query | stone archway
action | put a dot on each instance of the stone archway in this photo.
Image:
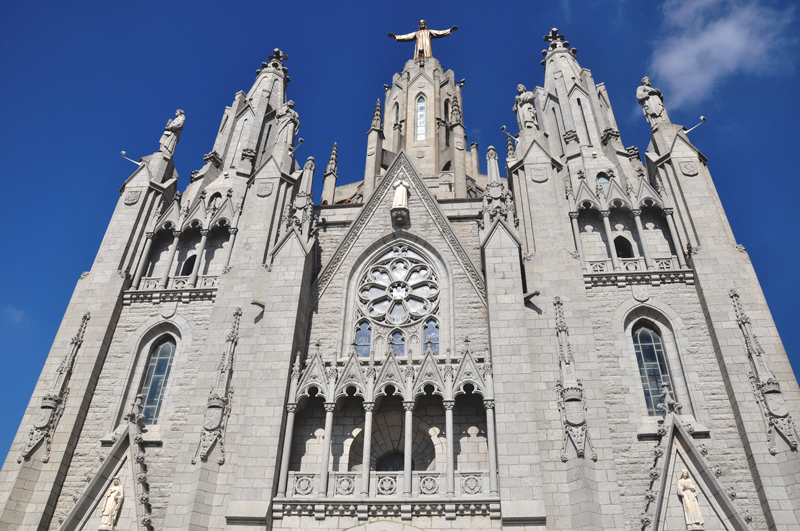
(388, 436)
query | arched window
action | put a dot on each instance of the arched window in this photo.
(215, 201)
(652, 364)
(156, 380)
(623, 247)
(421, 118)
(397, 113)
(188, 266)
(603, 181)
(363, 339)
(398, 343)
(447, 122)
(431, 332)
(392, 461)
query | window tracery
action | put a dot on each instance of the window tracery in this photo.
(398, 299)
(421, 118)
(155, 382)
(652, 365)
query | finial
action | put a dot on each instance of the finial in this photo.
(309, 165)
(332, 160)
(510, 151)
(556, 41)
(376, 116)
(455, 113)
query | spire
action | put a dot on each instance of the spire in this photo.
(557, 44)
(491, 165)
(377, 122)
(332, 160)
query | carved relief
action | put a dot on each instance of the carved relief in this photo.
(218, 406)
(264, 188)
(689, 168)
(132, 197)
(766, 387)
(53, 403)
(571, 400)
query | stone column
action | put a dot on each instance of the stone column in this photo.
(676, 242)
(366, 456)
(171, 256)
(448, 427)
(287, 449)
(322, 486)
(576, 234)
(490, 442)
(612, 250)
(637, 217)
(231, 239)
(200, 250)
(408, 449)
(143, 260)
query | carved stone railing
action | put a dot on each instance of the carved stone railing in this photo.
(177, 290)
(385, 498)
(634, 271)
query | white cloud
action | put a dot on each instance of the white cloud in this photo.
(13, 314)
(705, 41)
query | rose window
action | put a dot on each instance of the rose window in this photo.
(399, 289)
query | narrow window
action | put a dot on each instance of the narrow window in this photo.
(623, 247)
(156, 380)
(399, 343)
(652, 365)
(431, 335)
(603, 181)
(397, 113)
(363, 340)
(585, 124)
(447, 122)
(188, 266)
(421, 118)
(558, 130)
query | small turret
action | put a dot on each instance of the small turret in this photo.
(329, 179)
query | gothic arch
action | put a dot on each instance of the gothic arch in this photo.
(676, 343)
(139, 348)
(429, 447)
(446, 317)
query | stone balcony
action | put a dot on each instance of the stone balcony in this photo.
(634, 271)
(177, 290)
(385, 497)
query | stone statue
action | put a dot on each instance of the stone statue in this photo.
(523, 107)
(423, 38)
(288, 123)
(652, 102)
(111, 504)
(400, 194)
(687, 492)
(172, 133)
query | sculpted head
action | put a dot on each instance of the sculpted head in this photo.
(178, 113)
(646, 81)
(116, 482)
(290, 104)
(521, 88)
(422, 25)
(685, 474)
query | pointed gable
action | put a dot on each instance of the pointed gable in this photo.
(352, 376)
(225, 212)
(170, 218)
(314, 375)
(616, 197)
(196, 215)
(428, 375)
(401, 168)
(585, 195)
(647, 193)
(469, 373)
(391, 374)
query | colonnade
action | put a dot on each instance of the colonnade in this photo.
(320, 489)
(144, 259)
(612, 250)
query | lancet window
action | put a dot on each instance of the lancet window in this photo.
(652, 365)
(155, 382)
(398, 297)
(421, 118)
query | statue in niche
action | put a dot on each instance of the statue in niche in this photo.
(288, 123)
(423, 38)
(652, 101)
(111, 504)
(172, 133)
(523, 108)
(687, 492)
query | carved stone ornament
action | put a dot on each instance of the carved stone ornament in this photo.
(538, 175)
(303, 485)
(471, 484)
(345, 486)
(429, 485)
(264, 189)
(387, 485)
(111, 504)
(640, 293)
(689, 168)
(132, 197)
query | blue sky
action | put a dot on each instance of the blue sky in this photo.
(83, 81)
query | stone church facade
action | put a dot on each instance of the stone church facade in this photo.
(577, 344)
